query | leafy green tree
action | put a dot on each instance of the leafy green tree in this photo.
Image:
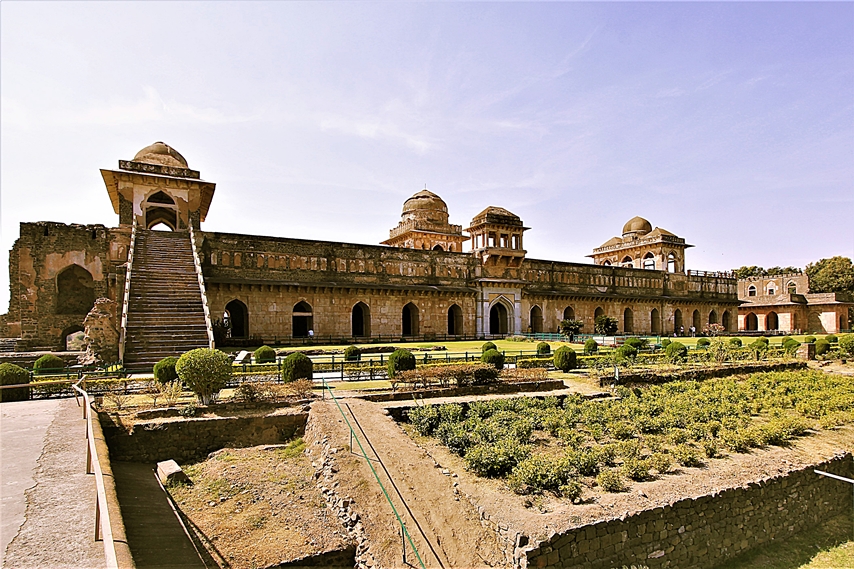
(571, 327)
(205, 372)
(831, 275)
(605, 325)
(751, 271)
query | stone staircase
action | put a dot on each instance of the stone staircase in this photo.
(165, 312)
(8, 344)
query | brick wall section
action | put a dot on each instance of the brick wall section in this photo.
(190, 439)
(703, 532)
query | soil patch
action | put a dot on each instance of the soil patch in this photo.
(258, 507)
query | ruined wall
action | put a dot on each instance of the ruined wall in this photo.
(705, 531)
(56, 272)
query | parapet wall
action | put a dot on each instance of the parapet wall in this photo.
(705, 531)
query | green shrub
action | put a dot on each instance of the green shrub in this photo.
(539, 473)
(495, 459)
(611, 481)
(791, 345)
(626, 353)
(48, 363)
(297, 366)
(676, 351)
(591, 346)
(605, 325)
(205, 372)
(763, 339)
(665, 342)
(265, 355)
(400, 360)
(425, 419)
(735, 342)
(352, 354)
(822, 346)
(703, 342)
(10, 374)
(809, 340)
(687, 455)
(637, 343)
(543, 348)
(488, 346)
(660, 462)
(785, 339)
(164, 370)
(565, 359)
(831, 338)
(493, 358)
(846, 344)
(636, 469)
(533, 363)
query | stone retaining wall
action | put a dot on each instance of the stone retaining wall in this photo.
(655, 376)
(190, 439)
(703, 532)
(516, 387)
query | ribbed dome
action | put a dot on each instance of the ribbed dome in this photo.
(162, 154)
(637, 225)
(499, 215)
(425, 200)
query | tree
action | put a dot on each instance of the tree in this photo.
(571, 328)
(751, 271)
(605, 325)
(831, 275)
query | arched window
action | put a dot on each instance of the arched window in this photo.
(713, 317)
(536, 320)
(677, 322)
(772, 322)
(649, 262)
(410, 320)
(751, 290)
(628, 321)
(598, 312)
(303, 320)
(237, 318)
(160, 197)
(455, 320)
(75, 291)
(499, 319)
(695, 320)
(627, 262)
(793, 288)
(655, 321)
(568, 313)
(751, 322)
(361, 320)
(726, 321)
(671, 263)
(771, 290)
(606, 263)
(438, 248)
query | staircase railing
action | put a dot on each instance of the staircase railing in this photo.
(126, 300)
(198, 263)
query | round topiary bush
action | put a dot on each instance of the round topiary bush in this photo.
(791, 345)
(543, 349)
(400, 360)
(352, 354)
(831, 338)
(758, 346)
(566, 358)
(665, 342)
(636, 343)
(591, 346)
(265, 355)
(846, 344)
(676, 351)
(10, 374)
(735, 342)
(493, 358)
(297, 366)
(762, 339)
(205, 372)
(703, 343)
(48, 363)
(784, 339)
(809, 340)
(488, 346)
(164, 370)
(821, 347)
(625, 353)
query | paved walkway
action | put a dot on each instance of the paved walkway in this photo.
(48, 500)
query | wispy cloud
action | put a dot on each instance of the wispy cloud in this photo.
(376, 129)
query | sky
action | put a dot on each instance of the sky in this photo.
(728, 124)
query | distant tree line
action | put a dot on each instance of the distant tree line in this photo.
(826, 275)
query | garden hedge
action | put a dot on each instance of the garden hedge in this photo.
(265, 355)
(565, 359)
(493, 358)
(400, 360)
(297, 366)
(10, 374)
(48, 363)
(164, 370)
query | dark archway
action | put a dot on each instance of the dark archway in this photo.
(696, 321)
(677, 322)
(649, 262)
(772, 322)
(303, 319)
(75, 291)
(628, 321)
(410, 320)
(238, 319)
(726, 321)
(438, 248)
(71, 339)
(568, 313)
(751, 322)
(455, 320)
(498, 319)
(536, 322)
(655, 321)
(598, 312)
(713, 317)
(361, 320)
(161, 215)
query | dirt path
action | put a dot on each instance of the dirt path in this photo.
(445, 529)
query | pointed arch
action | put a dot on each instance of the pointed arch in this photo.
(501, 317)
(628, 321)
(455, 320)
(360, 320)
(649, 262)
(568, 313)
(751, 321)
(677, 322)
(409, 319)
(713, 317)
(772, 321)
(655, 321)
(726, 321)
(671, 263)
(696, 321)
(751, 290)
(75, 291)
(536, 319)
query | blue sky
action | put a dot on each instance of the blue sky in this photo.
(730, 124)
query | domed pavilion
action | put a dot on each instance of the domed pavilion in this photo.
(642, 247)
(424, 225)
